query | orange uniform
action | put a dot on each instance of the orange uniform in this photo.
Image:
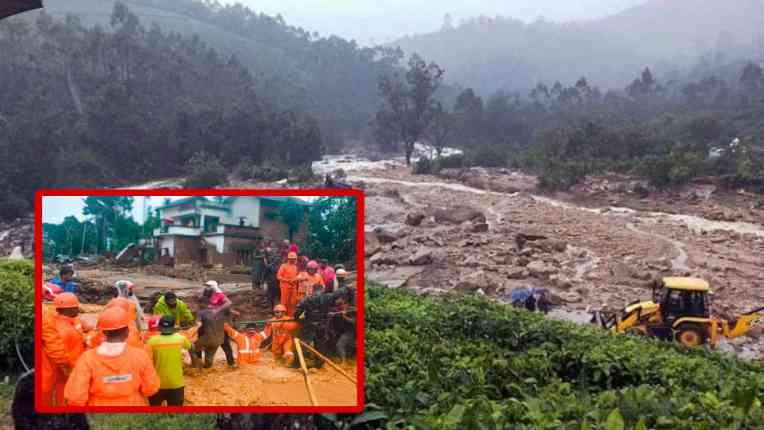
(126, 379)
(133, 337)
(305, 286)
(248, 351)
(287, 276)
(283, 335)
(63, 343)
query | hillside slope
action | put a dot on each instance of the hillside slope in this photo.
(503, 53)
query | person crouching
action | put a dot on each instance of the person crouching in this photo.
(248, 343)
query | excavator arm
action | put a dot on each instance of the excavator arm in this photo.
(744, 323)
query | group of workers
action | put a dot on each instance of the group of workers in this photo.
(127, 360)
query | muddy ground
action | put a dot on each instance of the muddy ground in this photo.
(459, 230)
(265, 383)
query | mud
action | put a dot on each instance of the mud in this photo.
(266, 384)
(611, 252)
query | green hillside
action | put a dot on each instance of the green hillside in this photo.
(466, 363)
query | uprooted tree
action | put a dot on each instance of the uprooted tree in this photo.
(409, 103)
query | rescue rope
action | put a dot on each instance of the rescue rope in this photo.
(18, 352)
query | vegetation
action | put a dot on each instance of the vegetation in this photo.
(409, 106)
(16, 299)
(108, 226)
(501, 53)
(332, 232)
(669, 133)
(86, 106)
(469, 363)
(204, 171)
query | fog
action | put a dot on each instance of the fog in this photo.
(379, 21)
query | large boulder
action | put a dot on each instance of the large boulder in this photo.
(541, 270)
(422, 258)
(371, 244)
(389, 233)
(414, 219)
(478, 227)
(385, 258)
(458, 215)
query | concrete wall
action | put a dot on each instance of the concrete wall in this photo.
(187, 250)
(277, 231)
(245, 206)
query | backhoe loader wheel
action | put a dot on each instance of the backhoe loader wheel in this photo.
(690, 334)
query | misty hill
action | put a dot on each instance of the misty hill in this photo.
(668, 36)
(332, 78)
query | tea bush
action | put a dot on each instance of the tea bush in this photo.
(469, 363)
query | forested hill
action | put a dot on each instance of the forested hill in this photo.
(333, 79)
(504, 53)
(83, 106)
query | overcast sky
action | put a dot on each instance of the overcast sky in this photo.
(385, 20)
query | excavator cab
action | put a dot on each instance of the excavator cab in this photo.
(684, 297)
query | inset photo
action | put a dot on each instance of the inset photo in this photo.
(209, 301)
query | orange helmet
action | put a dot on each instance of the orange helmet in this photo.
(113, 318)
(292, 256)
(50, 291)
(66, 300)
(312, 265)
(279, 308)
(119, 302)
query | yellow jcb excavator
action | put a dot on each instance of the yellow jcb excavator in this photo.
(680, 311)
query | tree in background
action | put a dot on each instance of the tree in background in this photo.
(409, 103)
(293, 215)
(332, 232)
(441, 129)
(108, 212)
(204, 170)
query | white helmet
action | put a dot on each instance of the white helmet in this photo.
(341, 273)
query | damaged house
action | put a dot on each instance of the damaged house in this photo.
(223, 231)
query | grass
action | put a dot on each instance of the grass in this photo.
(119, 421)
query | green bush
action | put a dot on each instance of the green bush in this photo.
(425, 166)
(204, 170)
(302, 174)
(267, 172)
(489, 156)
(16, 298)
(454, 161)
(469, 363)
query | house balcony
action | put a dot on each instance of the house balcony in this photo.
(233, 231)
(177, 230)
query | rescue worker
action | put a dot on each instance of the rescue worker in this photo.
(313, 312)
(220, 307)
(115, 373)
(345, 288)
(167, 355)
(342, 275)
(330, 277)
(282, 334)
(134, 335)
(287, 277)
(343, 326)
(125, 290)
(153, 328)
(169, 304)
(309, 282)
(64, 280)
(248, 343)
(264, 273)
(63, 344)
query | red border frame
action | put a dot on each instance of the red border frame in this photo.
(360, 329)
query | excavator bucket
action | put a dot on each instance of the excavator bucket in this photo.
(13, 7)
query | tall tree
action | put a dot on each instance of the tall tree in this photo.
(108, 211)
(409, 102)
